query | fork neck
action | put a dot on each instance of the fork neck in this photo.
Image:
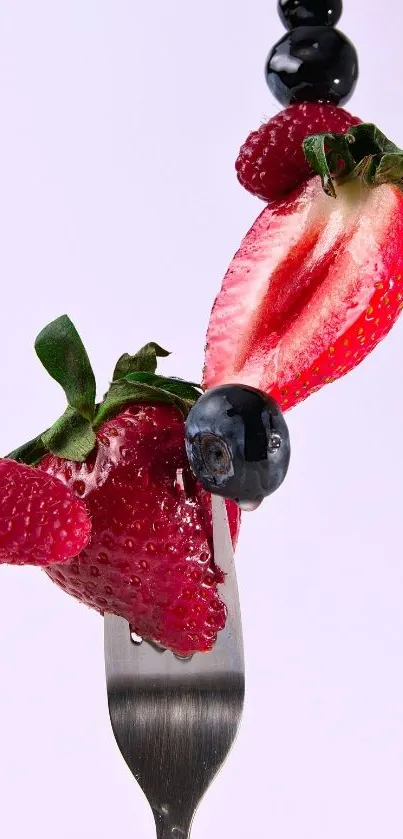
(169, 828)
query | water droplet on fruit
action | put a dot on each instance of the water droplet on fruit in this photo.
(137, 639)
(136, 582)
(143, 564)
(150, 548)
(249, 506)
(129, 544)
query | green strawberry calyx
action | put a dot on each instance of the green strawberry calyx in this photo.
(73, 436)
(362, 153)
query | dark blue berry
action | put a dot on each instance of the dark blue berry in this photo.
(238, 444)
(312, 64)
(309, 12)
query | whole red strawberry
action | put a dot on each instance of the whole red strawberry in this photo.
(318, 280)
(271, 162)
(41, 521)
(150, 555)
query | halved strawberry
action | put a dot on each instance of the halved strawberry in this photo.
(317, 282)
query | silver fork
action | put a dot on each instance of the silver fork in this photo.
(175, 720)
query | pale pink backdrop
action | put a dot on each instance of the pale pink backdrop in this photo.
(120, 123)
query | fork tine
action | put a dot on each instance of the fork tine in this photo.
(176, 720)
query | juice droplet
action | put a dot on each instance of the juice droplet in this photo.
(249, 506)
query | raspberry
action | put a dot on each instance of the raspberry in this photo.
(41, 521)
(271, 162)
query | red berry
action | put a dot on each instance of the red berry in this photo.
(315, 285)
(150, 557)
(40, 519)
(271, 162)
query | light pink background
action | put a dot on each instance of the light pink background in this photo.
(120, 123)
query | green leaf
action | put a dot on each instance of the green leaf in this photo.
(144, 360)
(366, 139)
(62, 353)
(125, 392)
(363, 153)
(185, 390)
(324, 152)
(71, 436)
(389, 170)
(30, 453)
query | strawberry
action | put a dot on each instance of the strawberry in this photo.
(41, 521)
(271, 161)
(317, 281)
(150, 555)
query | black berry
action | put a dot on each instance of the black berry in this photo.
(312, 64)
(309, 12)
(238, 444)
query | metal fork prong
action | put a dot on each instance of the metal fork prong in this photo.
(176, 720)
(224, 555)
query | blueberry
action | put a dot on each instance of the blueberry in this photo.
(238, 444)
(312, 64)
(295, 13)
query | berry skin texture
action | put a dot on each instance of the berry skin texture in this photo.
(41, 521)
(150, 557)
(312, 64)
(238, 444)
(271, 162)
(316, 284)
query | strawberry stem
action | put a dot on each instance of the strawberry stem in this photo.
(362, 153)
